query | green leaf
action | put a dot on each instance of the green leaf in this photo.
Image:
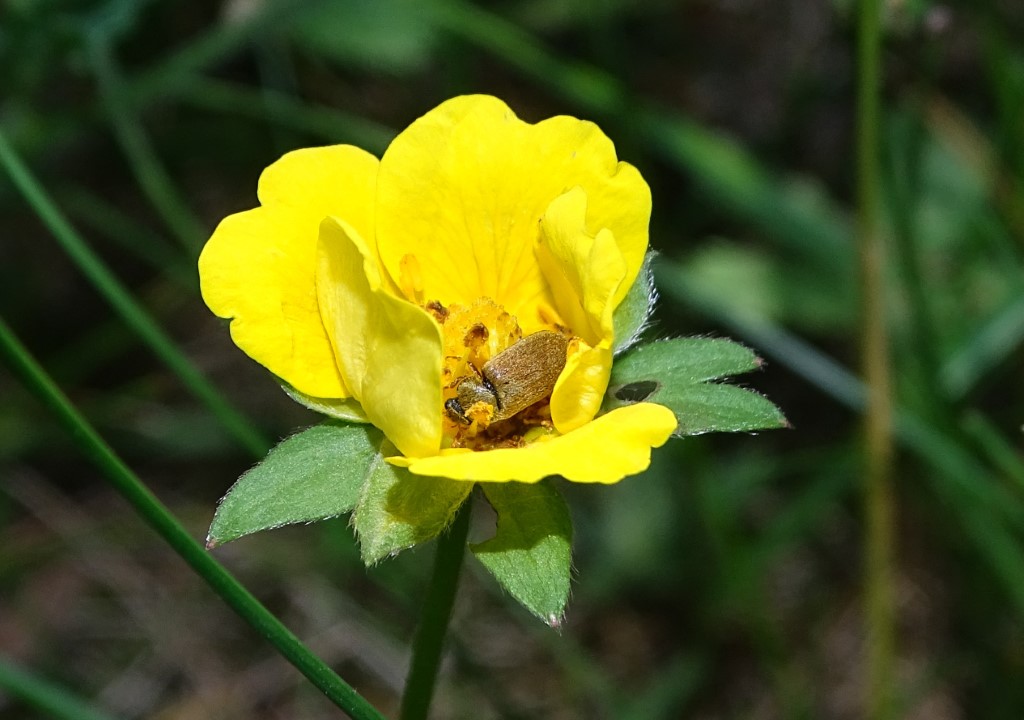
(690, 360)
(709, 407)
(675, 373)
(631, 316)
(530, 554)
(347, 409)
(313, 475)
(397, 509)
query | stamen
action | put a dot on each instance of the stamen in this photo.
(472, 335)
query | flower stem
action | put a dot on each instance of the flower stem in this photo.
(437, 609)
(878, 496)
(164, 523)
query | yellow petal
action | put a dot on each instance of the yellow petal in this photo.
(583, 270)
(604, 451)
(580, 387)
(388, 349)
(584, 273)
(463, 189)
(259, 267)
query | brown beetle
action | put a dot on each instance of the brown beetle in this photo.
(513, 379)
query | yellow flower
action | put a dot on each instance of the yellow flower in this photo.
(379, 286)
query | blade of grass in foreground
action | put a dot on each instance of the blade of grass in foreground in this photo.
(160, 519)
(126, 306)
(45, 696)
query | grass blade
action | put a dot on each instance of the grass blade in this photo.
(160, 519)
(125, 305)
(44, 695)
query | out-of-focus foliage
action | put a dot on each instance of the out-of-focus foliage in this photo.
(723, 583)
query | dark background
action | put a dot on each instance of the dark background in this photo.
(724, 583)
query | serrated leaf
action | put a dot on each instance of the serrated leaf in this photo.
(689, 360)
(397, 509)
(313, 475)
(530, 554)
(631, 316)
(710, 407)
(675, 373)
(347, 409)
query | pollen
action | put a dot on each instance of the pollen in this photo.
(471, 335)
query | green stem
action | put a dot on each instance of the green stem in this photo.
(44, 695)
(437, 609)
(134, 315)
(163, 522)
(878, 497)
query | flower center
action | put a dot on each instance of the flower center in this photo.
(495, 397)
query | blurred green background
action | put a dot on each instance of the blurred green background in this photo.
(727, 581)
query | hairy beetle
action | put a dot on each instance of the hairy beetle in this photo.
(513, 379)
